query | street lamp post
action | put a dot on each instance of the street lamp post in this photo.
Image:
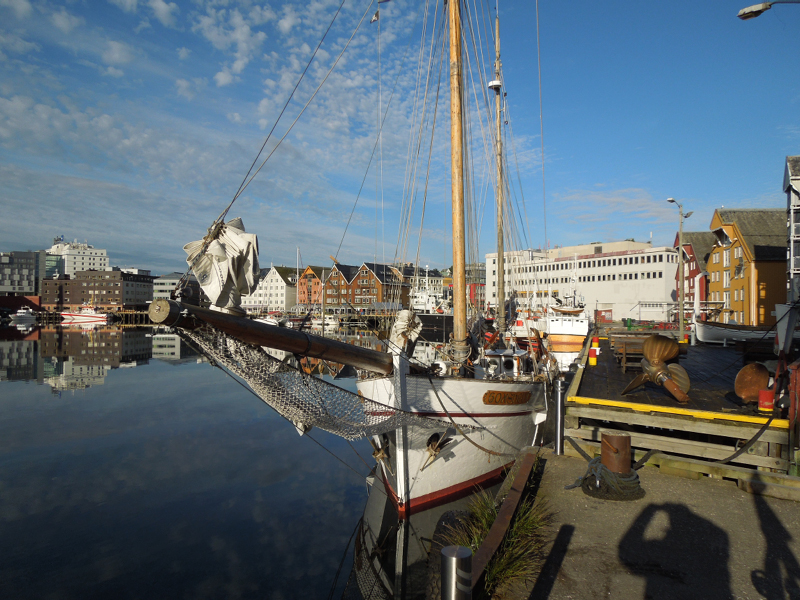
(751, 12)
(680, 263)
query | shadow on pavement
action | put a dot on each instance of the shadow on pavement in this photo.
(770, 581)
(680, 554)
(547, 576)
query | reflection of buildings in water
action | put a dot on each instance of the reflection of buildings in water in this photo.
(67, 374)
(171, 348)
(19, 360)
(80, 357)
(109, 346)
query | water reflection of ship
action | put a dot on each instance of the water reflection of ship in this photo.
(390, 556)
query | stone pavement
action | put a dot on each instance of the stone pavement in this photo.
(685, 539)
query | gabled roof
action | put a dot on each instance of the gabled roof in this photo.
(287, 273)
(386, 274)
(348, 271)
(316, 270)
(763, 229)
(408, 272)
(702, 243)
(791, 177)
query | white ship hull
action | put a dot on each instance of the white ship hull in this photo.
(505, 414)
(68, 318)
(719, 333)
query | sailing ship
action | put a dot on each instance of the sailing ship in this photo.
(439, 430)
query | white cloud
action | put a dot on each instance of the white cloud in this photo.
(261, 14)
(189, 89)
(16, 44)
(183, 53)
(289, 20)
(21, 8)
(143, 24)
(234, 117)
(128, 6)
(65, 21)
(223, 78)
(226, 29)
(164, 12)
(113, 72)
(117, 53)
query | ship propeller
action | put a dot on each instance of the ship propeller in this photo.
(750, 380)
(657, 350)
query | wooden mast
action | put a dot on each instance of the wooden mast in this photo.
(501, 284)
(460, 349)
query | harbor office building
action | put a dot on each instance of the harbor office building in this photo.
(618, 280)
(110, 291)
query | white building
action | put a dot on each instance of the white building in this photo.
(276, 291)
(75, 256)
(630, 279)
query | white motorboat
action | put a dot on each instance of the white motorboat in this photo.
(24, 316)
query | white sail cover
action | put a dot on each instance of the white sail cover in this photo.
(228, 268)
(405, 330)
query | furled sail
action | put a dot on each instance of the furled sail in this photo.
(226, 264)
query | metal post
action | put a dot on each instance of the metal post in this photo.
(456, 573)
(560, 385)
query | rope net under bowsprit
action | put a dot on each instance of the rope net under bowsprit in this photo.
(302, 399)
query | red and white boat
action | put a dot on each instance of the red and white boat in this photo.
(87, 314)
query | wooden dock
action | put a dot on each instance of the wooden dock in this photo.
(692, 438)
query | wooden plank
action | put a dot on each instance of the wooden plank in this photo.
(733, 429)
(504, 517)
(775, 490)
(681, 446)
(675, 410)
(711, 469)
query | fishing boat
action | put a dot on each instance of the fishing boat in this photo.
(439, 430)
(86, 314)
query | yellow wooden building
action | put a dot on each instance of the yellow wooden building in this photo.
(747, 265)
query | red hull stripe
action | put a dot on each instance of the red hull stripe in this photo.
(450, 494)
(472, 414)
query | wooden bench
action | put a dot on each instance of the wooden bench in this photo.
(628, 351)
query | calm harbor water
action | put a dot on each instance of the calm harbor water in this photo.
(124, 475)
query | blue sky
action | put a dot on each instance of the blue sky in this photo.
(130, 123)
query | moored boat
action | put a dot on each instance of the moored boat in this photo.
(87, 314)
(24, 316)
(711, 332)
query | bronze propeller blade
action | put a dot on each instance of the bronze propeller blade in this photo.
(750, 380)
(658, 349)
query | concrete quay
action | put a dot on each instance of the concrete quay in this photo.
(685, 539)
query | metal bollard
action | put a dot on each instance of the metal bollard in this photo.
(456, 573)
(559, 441)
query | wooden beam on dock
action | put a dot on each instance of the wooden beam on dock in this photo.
(505, 515)
(777, 485)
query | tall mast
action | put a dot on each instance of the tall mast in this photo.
(501, 284)
(460, 349)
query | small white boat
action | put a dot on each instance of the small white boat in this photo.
(24, 316)
(711, 332)
(331, 321)
(87, 314)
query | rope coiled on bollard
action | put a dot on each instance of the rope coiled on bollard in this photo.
(600, 482)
